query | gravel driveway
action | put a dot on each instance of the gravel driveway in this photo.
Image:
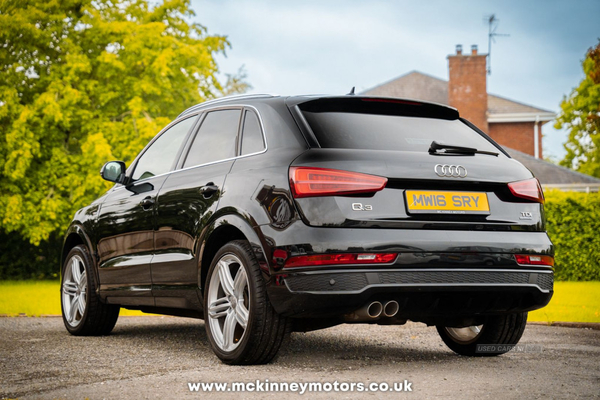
(156, 357)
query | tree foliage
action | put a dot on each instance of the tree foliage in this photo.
(83, 82)
(581, 116)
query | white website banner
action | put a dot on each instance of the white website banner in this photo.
(300, 387)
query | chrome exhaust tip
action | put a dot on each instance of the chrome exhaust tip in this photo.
(375, 309)
(366, 313)
(391, 308)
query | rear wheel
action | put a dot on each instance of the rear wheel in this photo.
(241, 324)
(82, 311)
(496, 336)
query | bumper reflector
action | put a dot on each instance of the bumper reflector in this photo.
(528, 259)
(336, 259)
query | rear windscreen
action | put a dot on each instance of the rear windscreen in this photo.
(343, 130)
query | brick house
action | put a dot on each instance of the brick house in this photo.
(508, 122)
(514, 125)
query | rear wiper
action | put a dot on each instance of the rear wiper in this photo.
(451, 149)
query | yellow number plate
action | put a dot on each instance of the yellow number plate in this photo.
(430, 202)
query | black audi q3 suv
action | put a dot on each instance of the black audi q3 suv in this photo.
(265, 214)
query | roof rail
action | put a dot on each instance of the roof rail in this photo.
(226, 98)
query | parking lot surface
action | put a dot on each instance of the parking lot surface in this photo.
(158, 357)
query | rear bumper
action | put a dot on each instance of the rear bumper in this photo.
(422, 294)
(437, 274)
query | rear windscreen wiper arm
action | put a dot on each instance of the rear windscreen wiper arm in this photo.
(451, 149)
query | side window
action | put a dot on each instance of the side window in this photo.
(160, 157)
(215, 139)
(252, 137)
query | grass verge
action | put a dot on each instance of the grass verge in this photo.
(572, 301)
(35, 298)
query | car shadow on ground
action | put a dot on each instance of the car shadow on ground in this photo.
(402, 346)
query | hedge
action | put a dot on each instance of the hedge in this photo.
(573, 225)
(19, 259)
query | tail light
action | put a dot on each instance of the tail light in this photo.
(336, 259)
(528, 190)
(527, 259)
(313, 182)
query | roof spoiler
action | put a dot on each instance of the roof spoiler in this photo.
(379, 106)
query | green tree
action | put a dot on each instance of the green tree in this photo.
(83, 82)
(581, 116)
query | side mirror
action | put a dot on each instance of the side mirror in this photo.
(114, 171)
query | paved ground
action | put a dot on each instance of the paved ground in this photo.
(156, 357)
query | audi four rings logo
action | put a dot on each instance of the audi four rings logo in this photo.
(450, 171)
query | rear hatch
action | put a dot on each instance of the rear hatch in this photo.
(377, 162)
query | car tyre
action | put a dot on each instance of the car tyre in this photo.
(503, 331)
(82, 311)
(241, 324)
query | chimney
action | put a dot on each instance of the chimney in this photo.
(467, 86)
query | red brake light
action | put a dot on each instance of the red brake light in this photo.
(344, 258)
(526, 259)
(394, 101)
(529, 190)
(311, 182)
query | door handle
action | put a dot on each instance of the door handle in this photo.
(147, 203)
(209, 189)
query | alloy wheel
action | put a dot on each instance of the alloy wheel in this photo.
(228, 302)
(464, 335)
(74, 291)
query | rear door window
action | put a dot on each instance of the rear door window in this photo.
(216, 139)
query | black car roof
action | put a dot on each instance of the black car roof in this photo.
(225, 100)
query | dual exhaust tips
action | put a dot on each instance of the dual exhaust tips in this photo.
(374, 310)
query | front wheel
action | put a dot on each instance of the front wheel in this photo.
(82, 311)
(496, 336)
(241, 324)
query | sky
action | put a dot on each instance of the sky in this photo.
(329, 46)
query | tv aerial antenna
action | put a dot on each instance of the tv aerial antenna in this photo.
(492, 34)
